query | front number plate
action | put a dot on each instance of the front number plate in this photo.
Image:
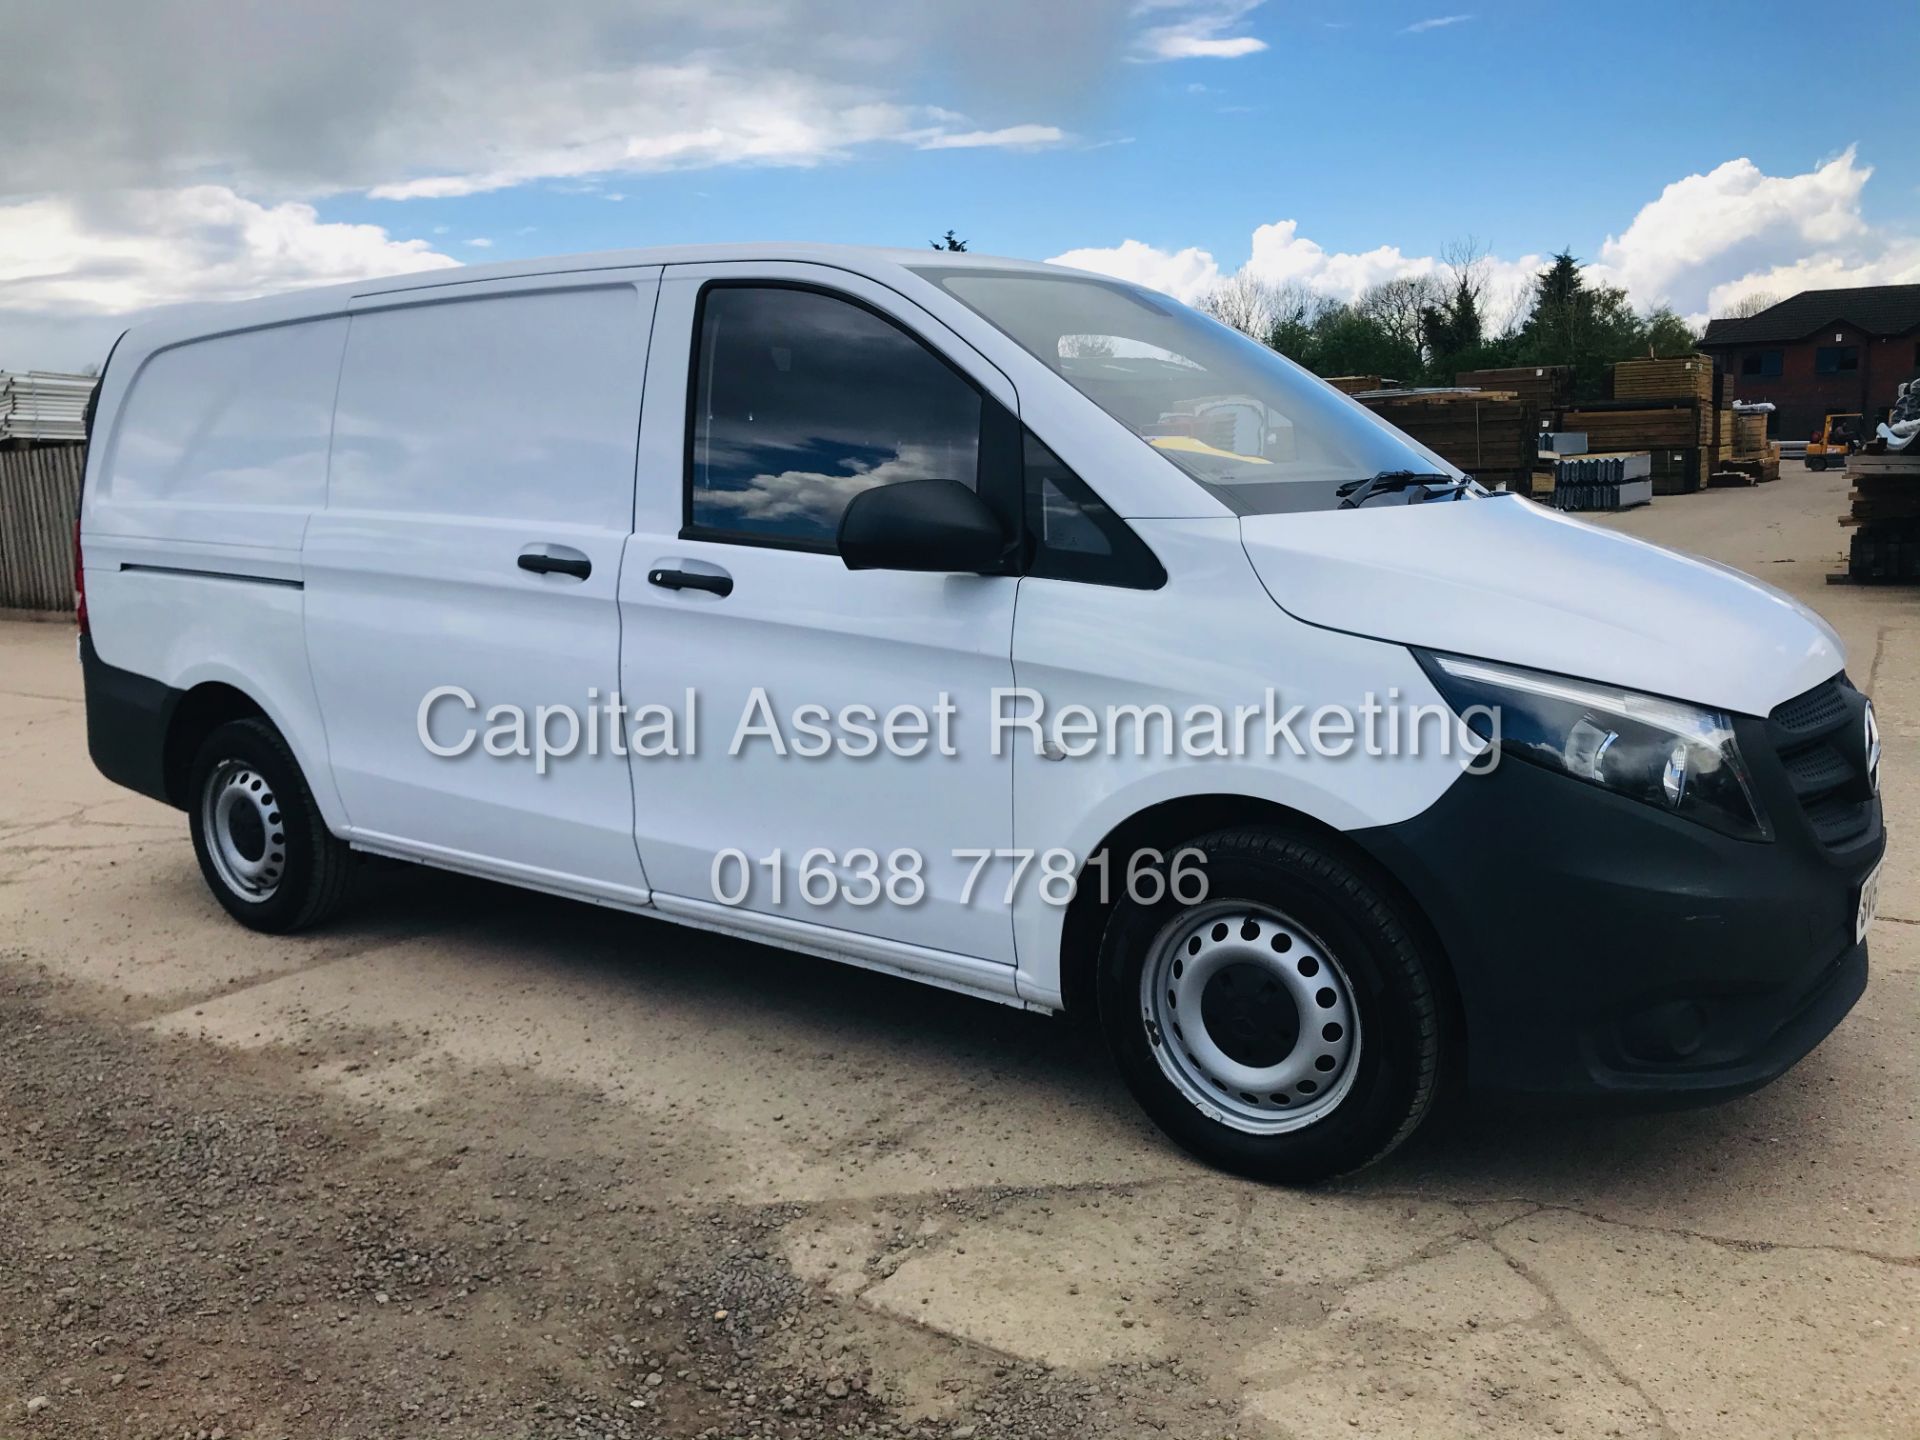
(1869, 902)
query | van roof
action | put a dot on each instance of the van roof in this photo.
(852, 256)
(189, 321)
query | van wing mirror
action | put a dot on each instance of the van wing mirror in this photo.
(936, 525)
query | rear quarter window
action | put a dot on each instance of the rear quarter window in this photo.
(234, 419)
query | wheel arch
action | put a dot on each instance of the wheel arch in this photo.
(201, 711)
(1169, 823)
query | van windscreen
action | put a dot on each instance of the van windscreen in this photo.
(1252, 427)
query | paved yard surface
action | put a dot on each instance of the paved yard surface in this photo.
(472, 1163)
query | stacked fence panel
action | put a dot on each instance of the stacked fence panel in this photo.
(39, 497)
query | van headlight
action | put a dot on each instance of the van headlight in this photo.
(1665, 753)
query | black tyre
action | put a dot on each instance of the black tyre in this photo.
(263, 847)
(1287, 1026)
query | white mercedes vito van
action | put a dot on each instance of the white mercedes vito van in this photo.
(992, 624)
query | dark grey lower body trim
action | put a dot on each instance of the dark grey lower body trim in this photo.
(128, 715)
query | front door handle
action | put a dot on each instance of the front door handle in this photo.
(556, 560)
(691, 580)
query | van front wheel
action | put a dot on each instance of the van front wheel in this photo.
(1286, 1025)
(263, 847)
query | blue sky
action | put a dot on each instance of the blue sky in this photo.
(1529, 126)
(1698, 152)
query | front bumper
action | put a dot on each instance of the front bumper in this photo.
(1607, 953)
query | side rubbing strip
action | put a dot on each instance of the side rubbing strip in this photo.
(213, 575)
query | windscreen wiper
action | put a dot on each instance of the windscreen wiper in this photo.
(1356, 493)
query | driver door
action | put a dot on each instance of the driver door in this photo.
(775, 393)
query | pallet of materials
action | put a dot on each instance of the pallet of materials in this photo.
(1676, 472)
(1746, 457)
(1354, 384)
(1489, 434)
(1725, 445)
(1760, 471)
(1884, 515)
(1614, 425)
(1688, 378)
(1549, 387)
(1750, 435)
(40, 405)
(1603, 482)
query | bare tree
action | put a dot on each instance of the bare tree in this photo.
(1396, 305)
(1086, 347)
(1297, 303)
(1246, 303)
(1752, 304)
(1468, 264)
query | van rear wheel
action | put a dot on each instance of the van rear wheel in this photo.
(263, 847)
(1285, 1026)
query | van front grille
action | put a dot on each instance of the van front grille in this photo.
(1819, 737)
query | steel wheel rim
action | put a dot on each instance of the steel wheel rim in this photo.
(1205, 997)
(246, 838)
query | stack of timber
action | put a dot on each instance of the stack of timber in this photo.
(1666, 408)
(1690, 380)
(1549, 387)
(1761, 470)
(1724, 414)
(1687, 378)
(1884, 515)
(1490, 434)
(1667, 431)
(1751, 458)
(1750, 435)
(1354, 384)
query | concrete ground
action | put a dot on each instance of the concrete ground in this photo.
(471, 1162)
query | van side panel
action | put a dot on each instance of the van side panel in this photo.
(205, 475)
(1251, 648)
(485, 428)
(223, 442)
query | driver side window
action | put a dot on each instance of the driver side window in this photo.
(800, 401)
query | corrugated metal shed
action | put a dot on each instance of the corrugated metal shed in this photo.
(40, 405)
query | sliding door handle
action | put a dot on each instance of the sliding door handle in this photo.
(564, 563)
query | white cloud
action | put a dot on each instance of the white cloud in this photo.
(1198, 35)
(1708, 240)
(1704, 243)
(1184, 274)
(1011, 137)
(1438, 22)
(74, 270)
(691, 116)
(481, 242)
(439, 98)
(1195, 47)
(817, 496)
(1280, 255)
(136, 249)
